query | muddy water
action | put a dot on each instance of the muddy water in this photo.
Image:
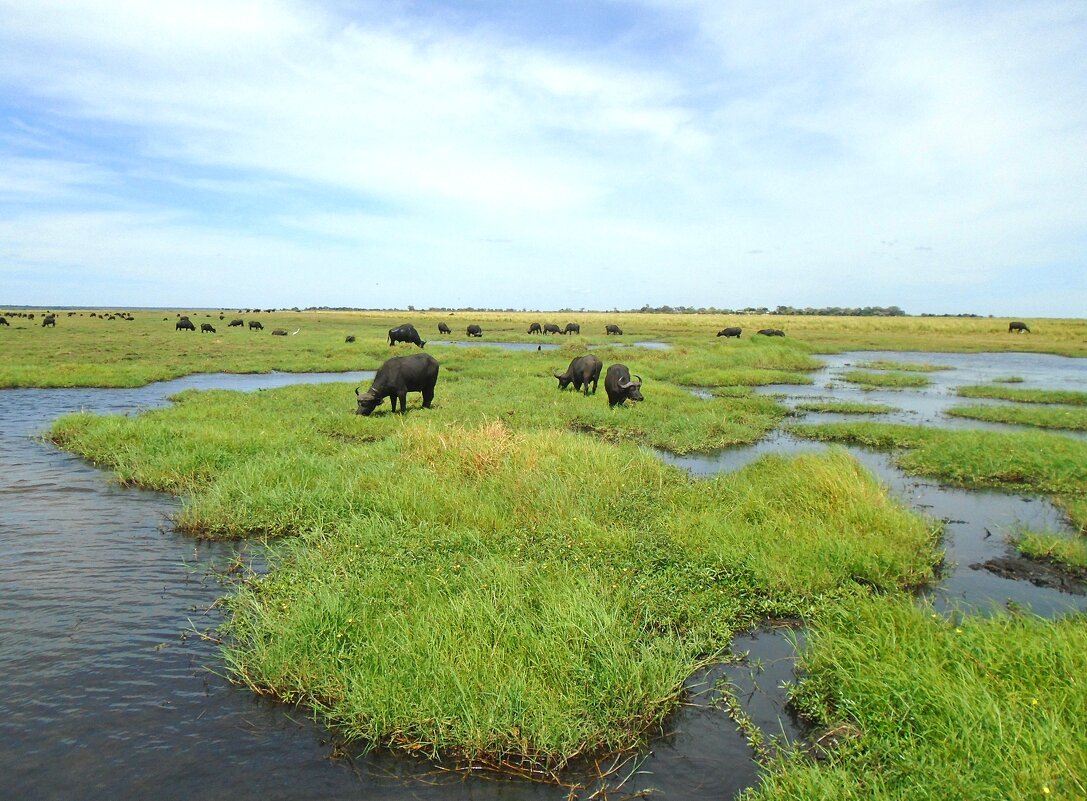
(109, 692)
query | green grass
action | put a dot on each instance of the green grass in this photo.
(868, 379)
(1069, 397)
(481, 580)
(909, 367)
(926, 708)
(1059, 417)
(1068, 551)
(1009, 379)
(845, 407)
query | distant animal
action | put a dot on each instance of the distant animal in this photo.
(49, 320)
(572, 328)
(733, 331)
(237, 322)
(405, 333)
(444, 329)
(613, 329)
(255, 325)
(184, 324)
(551, 328)
(619, 387)
(1017, 326)
(771, 332)
(279, 332)
(534, 328)
(4, 321)
(396, 378)
(349, 338)
(582, 371)
(207, 328)
(474, 331)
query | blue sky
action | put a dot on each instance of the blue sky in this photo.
(931, 155)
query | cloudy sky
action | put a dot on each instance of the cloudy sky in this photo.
(545, 153)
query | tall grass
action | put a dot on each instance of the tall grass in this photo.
(872, 379)
(1067, 396)
(1058, 417)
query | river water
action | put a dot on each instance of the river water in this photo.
(110, 691)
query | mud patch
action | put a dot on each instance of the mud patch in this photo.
(1039, 572)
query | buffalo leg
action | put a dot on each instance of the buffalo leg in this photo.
(428, 396)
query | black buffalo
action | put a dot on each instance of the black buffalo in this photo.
(49, 320)
(613, 329)
(396, 378)
(349, 338)
(572, 328)
(582, 371)
(207, 328)
(279, 332)
(535, 329)
(551, 328)
(444, 329)
(619, 387)
(4, 321)
(405, 333)
(474, 331)
(1017, 326)
(255, 325)
(771, 332)
(237, 322)
(184, 324)
(733, 331)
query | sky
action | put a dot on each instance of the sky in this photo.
(545, 154)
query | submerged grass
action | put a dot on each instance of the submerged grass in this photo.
(845, 407)
(926, 708)
(869, 379)
(1070, 397)
(1059, 417)
(909, 367)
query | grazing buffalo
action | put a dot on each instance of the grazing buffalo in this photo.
(4, 321)
(572, 328)
(279, 332)
(1017, 326)
(184, 324)
(770, 332)
(237, 322)
(733, 331)
(255, 325)
(474, 331)
(551, 328)
(619, 387)
(49, 320)
(405, 333)
(534, 328)
(613, 329)
(207, 328)
(396, 378)
(349, 338)
(582, 371)
(444, 329)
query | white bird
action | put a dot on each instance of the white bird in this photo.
(295, 331)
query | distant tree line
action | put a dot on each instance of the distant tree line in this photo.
(826, 311)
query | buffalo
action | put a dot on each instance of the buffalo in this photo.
(255, 325)
(396, 378)
(551, 328)
(49, 320)
(207, 328)
(474, 331)
(279, 332)
(444, 329)
(4, 321)
(619, 387)
(572, 328)
(582, 371)
(237, 322)
(770, 332)
(349, 338)
(613, 329)
(405, 333)
(535, 329)
(184, 324)
(1017, 326)
(733, 331)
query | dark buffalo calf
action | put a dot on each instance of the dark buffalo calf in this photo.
(613, 329)
(582, 371)
(474, 331)
(444, 329)
(405, 333)
(396, 378)
(730, 332)
(619, 387)
(1017, 327)
(207, 328)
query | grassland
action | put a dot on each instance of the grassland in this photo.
(1068, 418)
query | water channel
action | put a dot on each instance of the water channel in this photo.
(111, 692)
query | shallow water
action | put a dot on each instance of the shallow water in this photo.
(483, 343)
(111, 692)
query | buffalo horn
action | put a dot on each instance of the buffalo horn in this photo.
(356, 390)
(638, 377)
